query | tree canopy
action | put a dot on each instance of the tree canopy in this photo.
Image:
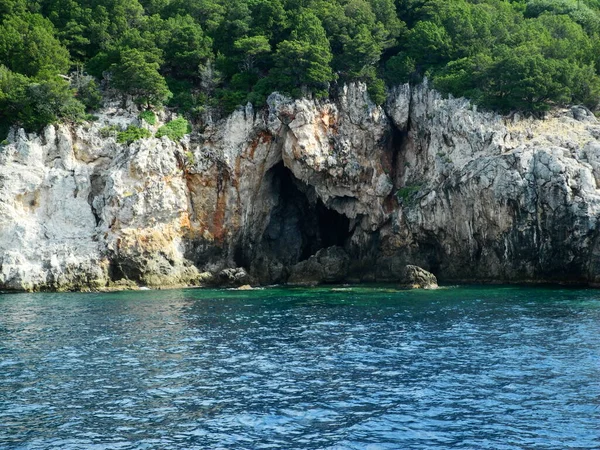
(195, 54)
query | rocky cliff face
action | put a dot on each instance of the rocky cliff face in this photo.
(303, 190)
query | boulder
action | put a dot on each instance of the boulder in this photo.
(234, 277)
(417, 278)
(328, 265)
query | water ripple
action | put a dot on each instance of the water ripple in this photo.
(351, 368)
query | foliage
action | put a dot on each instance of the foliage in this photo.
(407, 195)
(185, 45)
(218, 54)
(109, 131)
(137, 74)
(132, 134)
(190, 158)
(148, 116)
(33, 104)
(302, 63)
(175, 129)
(28, 45)
(88, 92)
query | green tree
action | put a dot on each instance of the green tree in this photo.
(360, 52)
(578, 10)
(304, 60)
(8, 7)
(429, 43)
(208, 13)
(269, 19)
(137, 74)
(28, 46)
(400, 68)
(35, 104)
(185, 46)
(235, 24)
(393, 26)
(524, 79)
(252, 48)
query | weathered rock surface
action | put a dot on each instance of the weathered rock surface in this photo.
(329, 265)
(237, 277)
(306, 191)
(418, 278)
(496, 199)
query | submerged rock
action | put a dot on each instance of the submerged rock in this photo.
(245, 287)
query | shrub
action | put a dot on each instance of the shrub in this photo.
(376, 90)
(132, 134)
(89, 94)
(175, 129)
(191, 159)
(148, 116)
(407, 195)
(111, 130)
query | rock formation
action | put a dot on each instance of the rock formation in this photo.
(305, 191)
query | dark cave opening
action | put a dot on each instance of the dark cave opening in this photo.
(300, 224)
(333, 227)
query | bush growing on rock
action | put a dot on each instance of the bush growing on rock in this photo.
(132, 134)
(109, 131)
(148, 116)
(175, 129)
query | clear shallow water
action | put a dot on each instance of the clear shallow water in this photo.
(351, 368)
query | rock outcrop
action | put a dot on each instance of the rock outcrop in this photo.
(488, 198)
(306, 191)
(417, 278)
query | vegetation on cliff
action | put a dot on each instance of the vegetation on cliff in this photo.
(218, 54)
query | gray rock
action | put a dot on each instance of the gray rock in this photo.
(328, 265)
(582, 114)
(398, 106)
(418, 278)
(233, 277)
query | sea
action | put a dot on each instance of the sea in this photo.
(332, 367)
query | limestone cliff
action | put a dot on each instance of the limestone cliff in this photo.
(344, 190)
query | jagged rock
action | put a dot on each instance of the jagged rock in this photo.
(236, 277)
(418, 278)
(429, 180)
(582, 114)
(329, 265)
(398, 106)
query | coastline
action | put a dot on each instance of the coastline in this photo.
(305, 191)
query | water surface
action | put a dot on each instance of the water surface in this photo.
(326, 368)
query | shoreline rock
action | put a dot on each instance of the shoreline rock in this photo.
(306, 191)
(417, 278)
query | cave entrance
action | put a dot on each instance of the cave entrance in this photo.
(299, 224)
(334, 228)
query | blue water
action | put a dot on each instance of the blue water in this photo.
(346, 368)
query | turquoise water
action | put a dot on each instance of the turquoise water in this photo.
(325, 368)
